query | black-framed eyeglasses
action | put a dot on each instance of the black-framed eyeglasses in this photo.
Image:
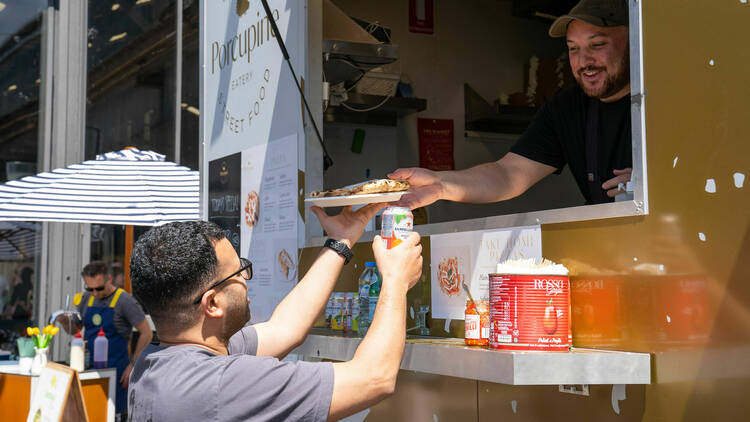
(91, 289)
(246, 272)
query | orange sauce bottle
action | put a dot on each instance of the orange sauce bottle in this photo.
(477, 323)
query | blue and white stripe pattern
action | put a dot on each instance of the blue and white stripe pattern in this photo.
(18, 240)
(124, 187)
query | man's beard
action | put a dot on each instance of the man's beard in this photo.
(612, 84)
(238, 314)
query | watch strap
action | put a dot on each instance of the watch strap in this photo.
(340, 248)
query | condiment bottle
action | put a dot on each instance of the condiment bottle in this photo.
(101, 346)
(77, 352)
(477, 323)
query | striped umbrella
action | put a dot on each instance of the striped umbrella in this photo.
(18, 240)
(128, 187)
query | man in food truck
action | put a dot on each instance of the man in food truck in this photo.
(585, 125)
(210, 365)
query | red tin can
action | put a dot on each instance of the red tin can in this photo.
(530, 312)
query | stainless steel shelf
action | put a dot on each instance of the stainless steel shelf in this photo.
(450, 357)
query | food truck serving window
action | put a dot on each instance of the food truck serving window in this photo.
(458, 85)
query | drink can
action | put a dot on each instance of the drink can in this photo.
(530, 312)
(398, 223)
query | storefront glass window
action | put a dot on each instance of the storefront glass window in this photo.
(190, 81)
(20, 80)
(131, 76)
(130, 92)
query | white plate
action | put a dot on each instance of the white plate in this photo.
(370, 198)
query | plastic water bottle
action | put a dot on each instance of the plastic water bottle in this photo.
(77, 352)
(101, 344)
(369, 290)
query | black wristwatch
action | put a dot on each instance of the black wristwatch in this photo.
(340, 248)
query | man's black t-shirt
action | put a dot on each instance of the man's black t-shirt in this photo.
(557, 136)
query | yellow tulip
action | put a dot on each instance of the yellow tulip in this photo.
(55, 330)
(36, 331)
(29, 331)
(45, 330)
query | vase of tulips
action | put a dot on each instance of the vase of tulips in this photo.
(41, 339)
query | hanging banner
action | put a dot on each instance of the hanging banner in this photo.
(469, 257)
(248, 92)
(421, 16)
(252, 133)
(435, 143)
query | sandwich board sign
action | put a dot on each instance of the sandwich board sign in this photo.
(58, 396)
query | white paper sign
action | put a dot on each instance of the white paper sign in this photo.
(470, 257)
(269, 222)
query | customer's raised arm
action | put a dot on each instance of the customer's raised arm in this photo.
(371, 374)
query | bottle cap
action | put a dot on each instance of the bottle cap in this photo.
(370, 264)
(101, 332)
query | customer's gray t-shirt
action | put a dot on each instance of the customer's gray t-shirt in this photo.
(189, 383)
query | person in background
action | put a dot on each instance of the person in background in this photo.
(21, 297)
(210, 365)
(585, 125)
(4, 292)
(105, 306)
(118, 275)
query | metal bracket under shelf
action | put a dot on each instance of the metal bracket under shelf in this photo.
(579, 390)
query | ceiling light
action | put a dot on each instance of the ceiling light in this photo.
(117, 37)
(115, 6)
(2, 6)
(193, 110)
(13, 87)
(140, 2)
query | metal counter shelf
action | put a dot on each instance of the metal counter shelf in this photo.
(450, 357)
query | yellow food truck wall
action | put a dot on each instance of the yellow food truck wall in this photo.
(674, 283)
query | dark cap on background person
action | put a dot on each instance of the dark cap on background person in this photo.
(603, 13)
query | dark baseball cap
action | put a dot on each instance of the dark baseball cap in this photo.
(603, 13)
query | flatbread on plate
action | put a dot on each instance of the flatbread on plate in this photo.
(372, 186)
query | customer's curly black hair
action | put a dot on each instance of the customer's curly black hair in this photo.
(170, 266)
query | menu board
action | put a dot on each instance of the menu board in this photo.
(269, 222)
(224, 196)
(469, 257)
